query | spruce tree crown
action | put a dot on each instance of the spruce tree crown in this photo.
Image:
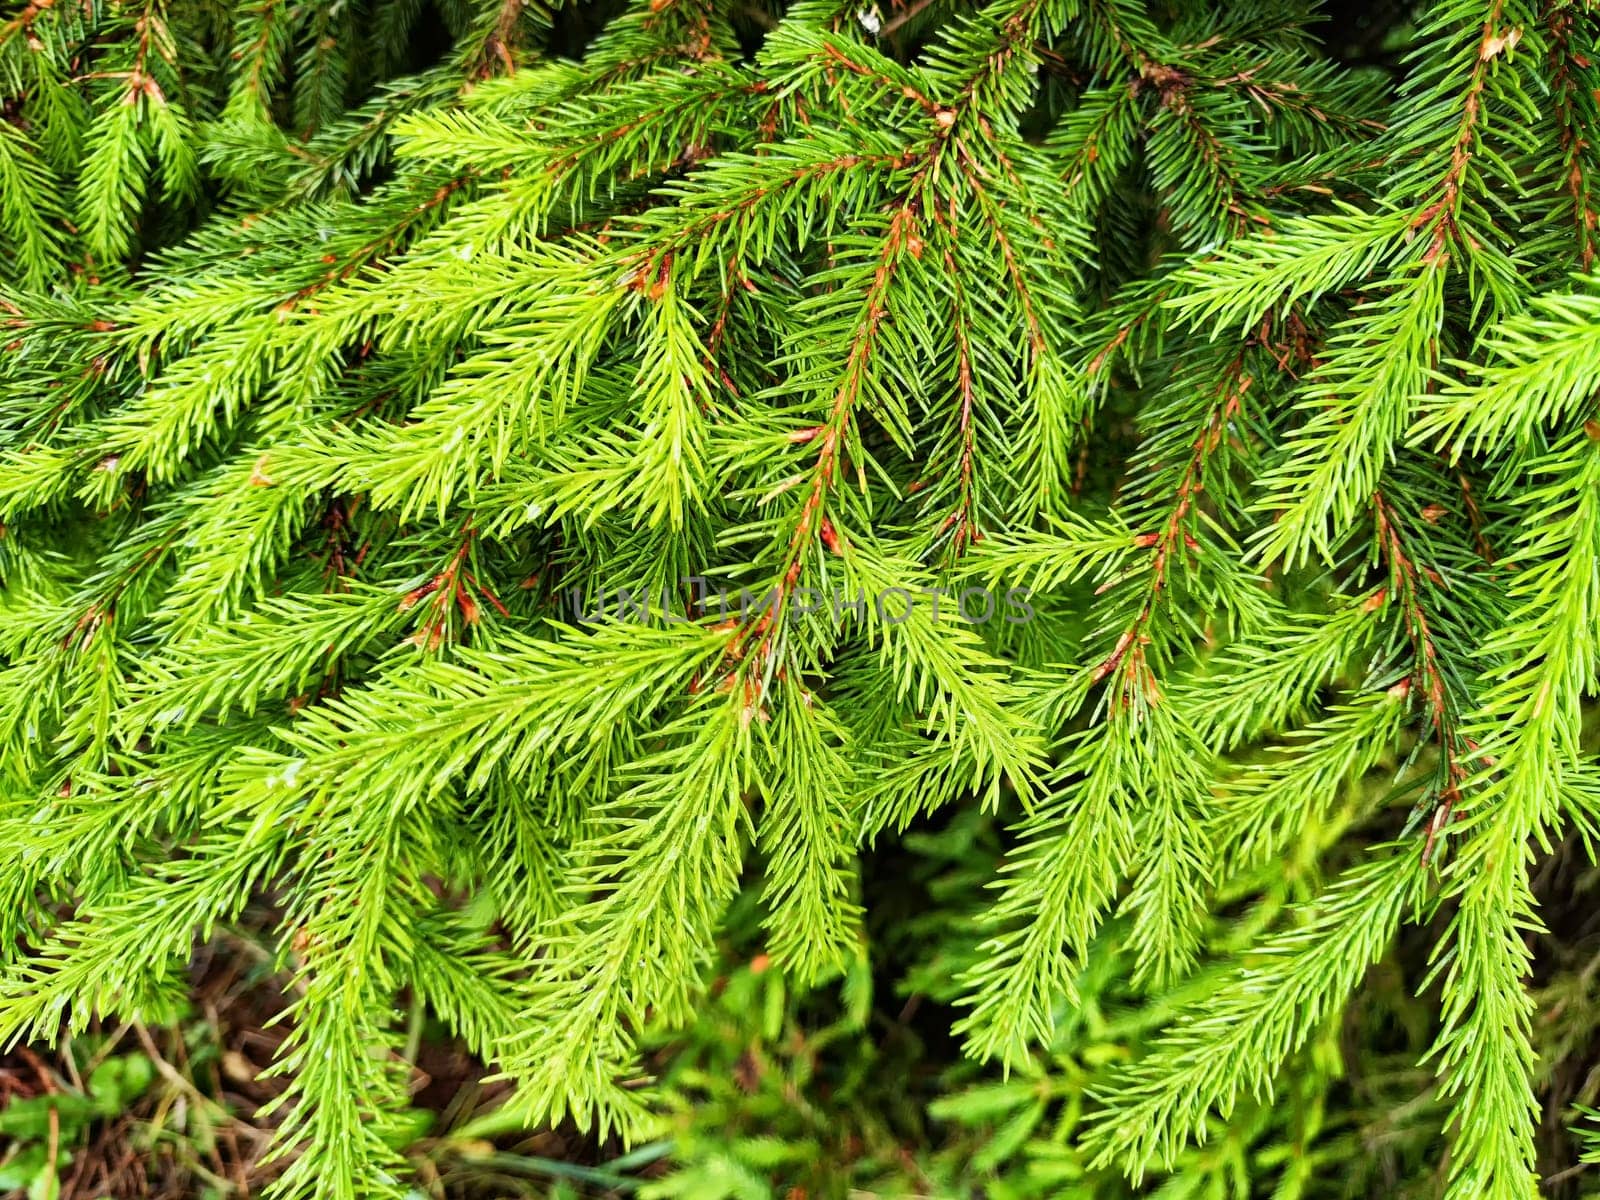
(498, 482)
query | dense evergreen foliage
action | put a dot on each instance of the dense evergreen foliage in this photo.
(482, 479)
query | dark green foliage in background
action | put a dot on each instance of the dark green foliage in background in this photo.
(344, 343)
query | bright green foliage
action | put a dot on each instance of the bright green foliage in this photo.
(347, 344)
